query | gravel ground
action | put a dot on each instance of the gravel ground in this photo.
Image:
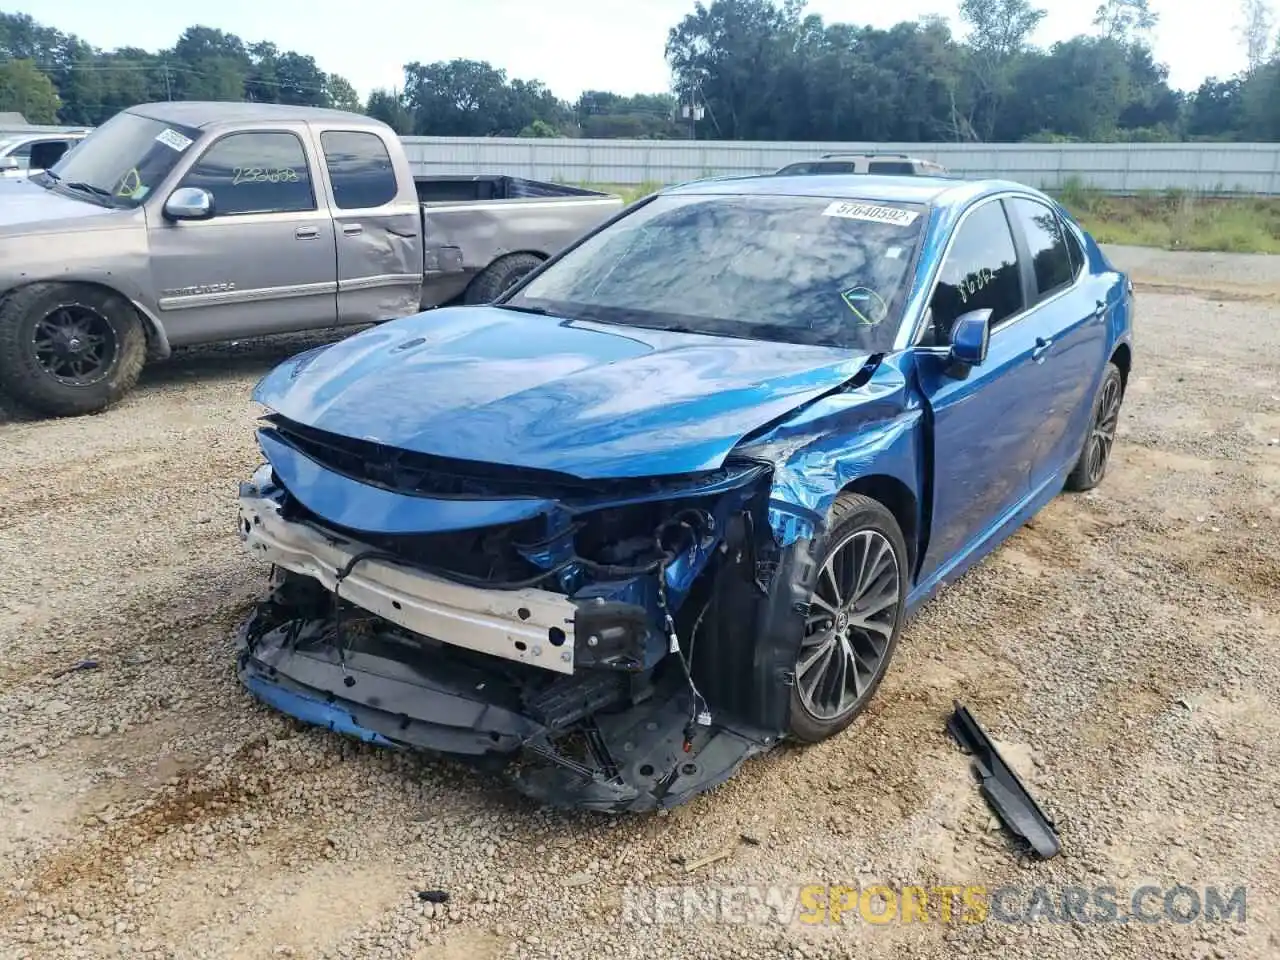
(1124, 647)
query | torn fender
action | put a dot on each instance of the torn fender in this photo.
(875, 429)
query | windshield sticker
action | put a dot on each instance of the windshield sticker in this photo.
(871, 212)
(893, 253)
(173, 139)
(129, 184)
(867, 305)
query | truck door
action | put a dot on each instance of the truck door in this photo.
(264, 263)
(378, 224)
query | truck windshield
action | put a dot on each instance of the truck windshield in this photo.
(124, 159)
(806, 270)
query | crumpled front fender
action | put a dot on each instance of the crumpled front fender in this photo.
(873, 430)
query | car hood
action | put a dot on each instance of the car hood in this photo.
(26, 207)
(594, 401)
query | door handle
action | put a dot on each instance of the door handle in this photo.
(352, 229)
(1100, 311)
(1041, 348)
(307, 233)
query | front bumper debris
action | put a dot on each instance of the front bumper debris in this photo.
(558, 742)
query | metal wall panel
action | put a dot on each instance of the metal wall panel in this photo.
(1220, 168)
(1113, 167)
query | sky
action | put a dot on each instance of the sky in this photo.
(583, 45)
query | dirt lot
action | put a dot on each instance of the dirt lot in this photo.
(1126, 647)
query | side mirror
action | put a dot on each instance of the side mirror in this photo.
(8, 163)
(189, 203)
(970, 336)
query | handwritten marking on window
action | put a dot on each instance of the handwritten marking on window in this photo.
(973, 282)
(264, 175)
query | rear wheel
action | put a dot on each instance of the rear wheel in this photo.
(1092, 465)
(68, 349)
(855, 617)
(499, 277)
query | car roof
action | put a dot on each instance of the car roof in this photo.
(931, 191)
(202, 113)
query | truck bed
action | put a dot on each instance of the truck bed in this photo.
(472, 222)
(463, 189)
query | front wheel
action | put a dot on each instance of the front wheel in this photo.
(854, 619)
(68, 349)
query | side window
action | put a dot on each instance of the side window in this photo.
(254, 173)
(905, 167)
(359, 168)
(980, 272)
(45, 153)
(1049, 254)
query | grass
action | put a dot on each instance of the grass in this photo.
(1171, 220)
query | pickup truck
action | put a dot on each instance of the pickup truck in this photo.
(185, 223)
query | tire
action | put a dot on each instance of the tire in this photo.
(865, 527)
(42, 381)
(1091, 466)
(499, 277)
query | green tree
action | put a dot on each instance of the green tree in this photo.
(389, 107)
(341, 94)
(1125, 20)
(26, 90)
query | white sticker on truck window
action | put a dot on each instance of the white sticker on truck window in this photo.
(869, 211)
(173, 139)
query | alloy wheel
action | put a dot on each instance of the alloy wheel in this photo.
(74, 344)
(852, 617)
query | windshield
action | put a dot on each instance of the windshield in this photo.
(125, 158)
(791, 269)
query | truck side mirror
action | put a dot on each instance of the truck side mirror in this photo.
(970, 337)
(189, 203)
(8, 163)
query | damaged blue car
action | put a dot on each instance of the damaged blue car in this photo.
(669, 500)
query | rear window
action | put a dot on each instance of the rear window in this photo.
(790, 269)
(820, 166)
(360, 169)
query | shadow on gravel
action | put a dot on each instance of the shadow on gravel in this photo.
(236, 359)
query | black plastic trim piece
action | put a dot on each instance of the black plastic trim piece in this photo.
(1005, 793)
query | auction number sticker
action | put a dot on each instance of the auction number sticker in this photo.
(173, 139)
(869, 211)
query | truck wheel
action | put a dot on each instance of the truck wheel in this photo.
(499, 277)
(68, 349)
(1092, 465)
(855, 617)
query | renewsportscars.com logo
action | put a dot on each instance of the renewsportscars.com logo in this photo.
(815, 904)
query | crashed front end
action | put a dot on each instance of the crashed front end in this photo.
(612, 645)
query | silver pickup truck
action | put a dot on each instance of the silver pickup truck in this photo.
(186, 223)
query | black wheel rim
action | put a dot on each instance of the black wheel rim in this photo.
(74, 344)
(852, 617)
(1103, 435)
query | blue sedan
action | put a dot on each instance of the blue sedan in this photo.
(669, 500)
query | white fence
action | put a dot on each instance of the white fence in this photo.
(1218, 168)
